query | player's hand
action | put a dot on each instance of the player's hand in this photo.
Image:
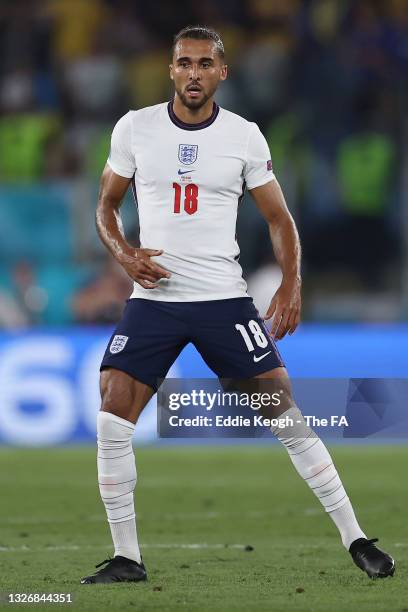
(142, 269)
(285, 309)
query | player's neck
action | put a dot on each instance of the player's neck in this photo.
(187, 115)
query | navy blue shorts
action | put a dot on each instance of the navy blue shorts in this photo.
(229, 334)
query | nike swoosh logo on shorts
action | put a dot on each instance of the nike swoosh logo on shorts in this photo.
(261, 357)
(180, 172)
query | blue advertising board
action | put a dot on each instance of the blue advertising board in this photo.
(49, 379)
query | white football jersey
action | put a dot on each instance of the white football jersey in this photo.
(188, 180)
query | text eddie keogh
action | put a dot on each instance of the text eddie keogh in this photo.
(255, 401)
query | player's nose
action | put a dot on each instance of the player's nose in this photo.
(194, 73)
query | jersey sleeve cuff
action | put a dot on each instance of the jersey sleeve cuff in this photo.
(120, 171)
(260, 182)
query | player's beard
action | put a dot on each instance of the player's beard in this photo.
(192, 103)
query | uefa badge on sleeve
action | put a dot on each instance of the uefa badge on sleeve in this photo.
(118, 344)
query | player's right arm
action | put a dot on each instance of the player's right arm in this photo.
(115, 181)
(136, 262)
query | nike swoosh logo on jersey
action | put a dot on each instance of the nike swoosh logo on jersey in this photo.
(180, 172)
(256, 359)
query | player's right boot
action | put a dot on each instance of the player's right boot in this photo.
(372, 560)
(118, 569)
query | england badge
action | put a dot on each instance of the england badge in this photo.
(118, 344)
(187, 153)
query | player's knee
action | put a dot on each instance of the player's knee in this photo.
(120, 408)
(292, 429)
(116, 396)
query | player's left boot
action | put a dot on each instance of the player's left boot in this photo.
(372, 560)
(118, 569)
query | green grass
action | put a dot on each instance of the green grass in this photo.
(53, 530)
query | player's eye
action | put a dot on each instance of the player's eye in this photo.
(206, 64)
(184, 64)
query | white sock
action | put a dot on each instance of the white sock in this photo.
(346, 522)
(314, 464)
(117, 480)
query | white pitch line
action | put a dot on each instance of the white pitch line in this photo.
(96, 518)
(196, 546)
(106, 546)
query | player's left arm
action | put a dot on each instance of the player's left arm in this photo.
(286, 303)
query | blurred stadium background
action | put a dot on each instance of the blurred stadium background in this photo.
(325, 80)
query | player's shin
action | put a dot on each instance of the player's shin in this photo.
(314, 464)
(117, 479)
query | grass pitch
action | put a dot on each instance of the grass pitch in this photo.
(198, 509)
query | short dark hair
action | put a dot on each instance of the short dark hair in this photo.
(198, 32)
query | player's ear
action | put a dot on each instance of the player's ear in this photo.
(224, 72)
(171, 71)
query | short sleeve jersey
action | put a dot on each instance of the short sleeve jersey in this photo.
(188, 180)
